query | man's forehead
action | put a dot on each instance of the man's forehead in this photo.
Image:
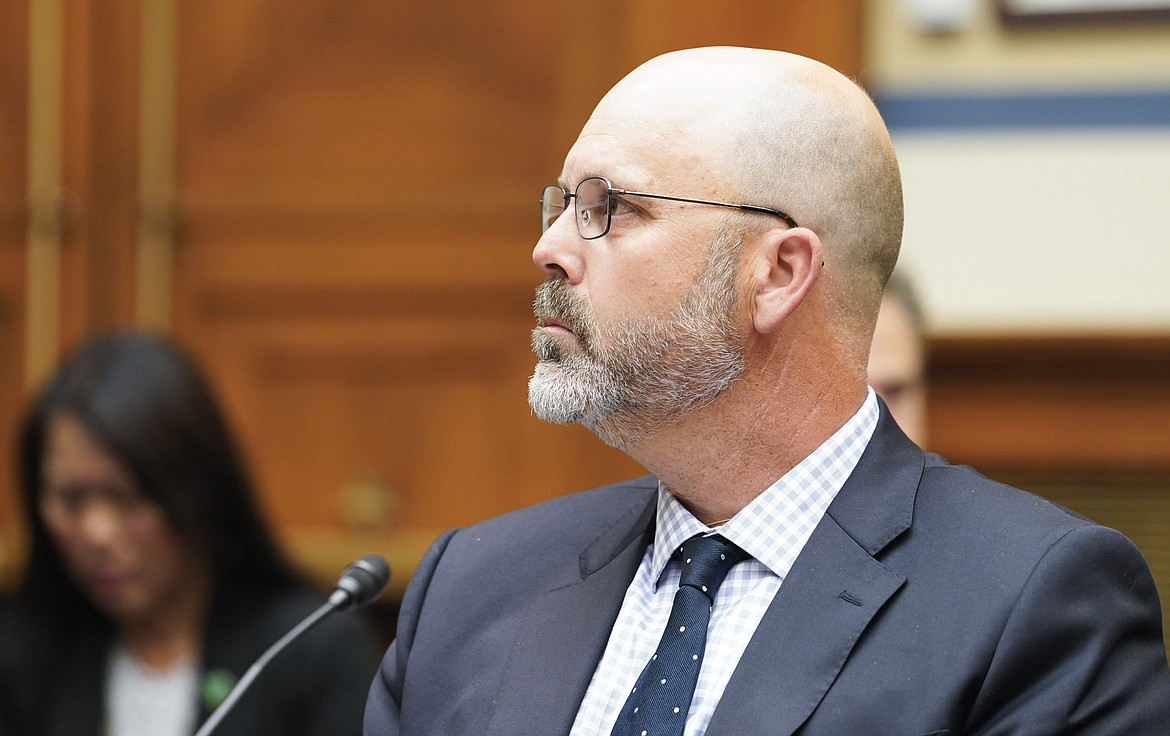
(633, 153)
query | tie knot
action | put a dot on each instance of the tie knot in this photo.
(706, 561)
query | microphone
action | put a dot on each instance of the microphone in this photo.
(361, 582)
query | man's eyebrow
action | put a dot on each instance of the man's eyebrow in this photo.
(563, 180)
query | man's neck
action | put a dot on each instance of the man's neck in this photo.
(719, 459)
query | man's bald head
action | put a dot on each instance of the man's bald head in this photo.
(779, 130)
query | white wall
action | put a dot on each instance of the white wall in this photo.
(1016, 227)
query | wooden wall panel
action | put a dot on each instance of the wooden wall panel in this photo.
(14, 72)
(356, 188)
(99, 155)
(1085, 406)
(13, 120)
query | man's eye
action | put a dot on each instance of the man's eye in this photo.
(619, 206)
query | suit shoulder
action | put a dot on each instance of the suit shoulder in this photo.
(556, 529)
(1003, 512)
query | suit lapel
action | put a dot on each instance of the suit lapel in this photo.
(802, 642)
(562, 636)
(833, 591)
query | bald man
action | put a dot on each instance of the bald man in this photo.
(714, 254)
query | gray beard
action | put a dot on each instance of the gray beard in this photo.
(633, 378)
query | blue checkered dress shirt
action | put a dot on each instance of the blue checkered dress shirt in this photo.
(773, 529)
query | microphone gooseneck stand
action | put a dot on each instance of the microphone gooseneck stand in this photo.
(359, 584)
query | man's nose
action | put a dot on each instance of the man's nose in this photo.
(560, 250)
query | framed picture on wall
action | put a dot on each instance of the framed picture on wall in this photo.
(1043, 12)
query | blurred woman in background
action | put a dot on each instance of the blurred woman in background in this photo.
(152, 583)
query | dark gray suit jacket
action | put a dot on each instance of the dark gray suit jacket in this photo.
(929, 600)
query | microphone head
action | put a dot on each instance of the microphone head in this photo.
(360, 583)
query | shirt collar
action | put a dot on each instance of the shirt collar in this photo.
(774, 527)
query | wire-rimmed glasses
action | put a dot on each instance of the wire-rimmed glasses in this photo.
(593, 202)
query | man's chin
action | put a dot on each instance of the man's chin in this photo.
(558, 398)
(555, 395)
(573, 379)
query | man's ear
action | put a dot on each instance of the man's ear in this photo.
(786, 265)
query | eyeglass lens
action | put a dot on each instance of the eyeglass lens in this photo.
(553, 202)
(591, 206)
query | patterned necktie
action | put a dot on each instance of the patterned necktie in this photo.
(659, 702)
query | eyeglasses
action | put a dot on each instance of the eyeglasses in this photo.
(594, 205)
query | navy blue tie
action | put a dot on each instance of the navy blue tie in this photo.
(658, 704)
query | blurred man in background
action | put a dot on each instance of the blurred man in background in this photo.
(897, 358)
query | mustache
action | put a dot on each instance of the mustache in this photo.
(555, 301)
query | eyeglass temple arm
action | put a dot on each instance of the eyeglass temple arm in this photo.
(749, 207)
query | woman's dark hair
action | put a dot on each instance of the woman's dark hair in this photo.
(146, 403)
